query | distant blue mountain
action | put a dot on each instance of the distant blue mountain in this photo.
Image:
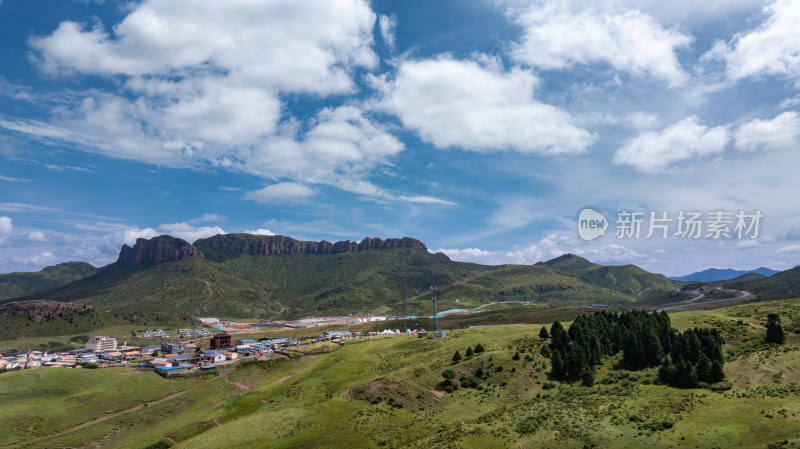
(721, 274)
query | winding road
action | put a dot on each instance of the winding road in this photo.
(692, 302)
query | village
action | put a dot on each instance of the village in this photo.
(178, 357)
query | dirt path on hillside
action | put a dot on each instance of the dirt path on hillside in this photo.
(235, 384)
(99, 419)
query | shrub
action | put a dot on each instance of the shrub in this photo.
(662, 424)
(392, 402)
(469, 381)
(543, 333)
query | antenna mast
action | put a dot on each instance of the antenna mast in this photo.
(434, 288)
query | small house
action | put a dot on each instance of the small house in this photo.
(213, 357)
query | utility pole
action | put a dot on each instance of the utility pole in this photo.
(194, 322)
(405, 304)
(434, 288)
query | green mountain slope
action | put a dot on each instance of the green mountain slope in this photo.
(276, 277)
(626, 279)
(49, 318)
(747, 277)
(173, 286)
(570, 263)
(785, 284)
(14, 285)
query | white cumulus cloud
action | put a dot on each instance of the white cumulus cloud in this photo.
(554, 37)
(260, 231)
(780, 133)
(654, 152)
(282, 192)
(36, 236)
(479, 106)
(772, 48)
(129, 236)
(387, 26)
(5, 225)
(189, 232)
(475, 255)
(203, 84)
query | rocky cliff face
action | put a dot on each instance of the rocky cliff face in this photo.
(279, 244)
(158, 249)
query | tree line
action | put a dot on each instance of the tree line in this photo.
(645, 340)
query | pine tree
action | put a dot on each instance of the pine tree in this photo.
(543, 333)
(704, 369)
(469, 352)
(479, 348)
(775, 333)
(717, 373)
(558, 336)
(667, 371)
(653, 353)
(587, 377)
(685, 374)
(456, 357)
(515, 357)
(633, 353)
(557, 362)
(575, 362)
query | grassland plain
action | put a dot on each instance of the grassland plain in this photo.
(383, 393)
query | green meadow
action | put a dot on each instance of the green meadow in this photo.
(387, 393)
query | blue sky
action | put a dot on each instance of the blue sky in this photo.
(482, 128)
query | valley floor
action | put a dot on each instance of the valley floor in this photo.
(384, 393)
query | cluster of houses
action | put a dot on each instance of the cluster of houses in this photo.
(176, 358)
(101, 351)
(155, 333)
(171, 358)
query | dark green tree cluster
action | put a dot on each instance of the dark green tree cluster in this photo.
(644, 339)
(695, 356)
(775, 333)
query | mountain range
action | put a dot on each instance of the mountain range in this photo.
(242, 275)
(721, 274)
(278, 277)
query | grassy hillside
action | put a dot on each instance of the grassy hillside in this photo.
(386, 393)
(14, 285)
(50, 326)
(785, 284)
(743, 278)
(626, 279)
(232, 284)
(171, 287)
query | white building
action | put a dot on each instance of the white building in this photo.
(99, 344)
